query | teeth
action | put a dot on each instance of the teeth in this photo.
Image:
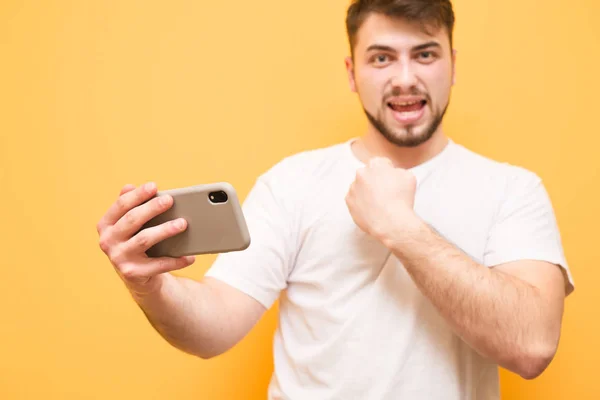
(405, 103)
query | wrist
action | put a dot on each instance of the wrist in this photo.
(141, 292)
(402, 230)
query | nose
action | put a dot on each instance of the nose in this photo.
(404, 79)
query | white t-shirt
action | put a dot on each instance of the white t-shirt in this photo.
(353, 325)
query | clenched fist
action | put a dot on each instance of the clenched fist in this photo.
(381, 197)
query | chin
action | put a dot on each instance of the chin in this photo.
(408, 136)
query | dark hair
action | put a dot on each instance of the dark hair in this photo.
(435, 13)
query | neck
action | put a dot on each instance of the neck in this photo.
(373, 144)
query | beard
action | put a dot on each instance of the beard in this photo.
(408, 136)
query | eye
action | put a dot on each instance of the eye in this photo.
(380, 59)
(427, 56)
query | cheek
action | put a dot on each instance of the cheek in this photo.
(370, 85)
(439, 83)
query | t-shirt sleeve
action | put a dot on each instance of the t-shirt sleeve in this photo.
(262, 269)
(526, 227)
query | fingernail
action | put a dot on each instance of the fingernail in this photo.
(180, 223)
(150, 186)
(164, 200)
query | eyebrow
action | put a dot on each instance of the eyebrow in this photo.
(426, 46)
(391, 49)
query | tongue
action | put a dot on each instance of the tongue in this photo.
(414, 107)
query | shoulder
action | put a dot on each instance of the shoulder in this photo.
(304, 167)
(500, 174)
(308, 160)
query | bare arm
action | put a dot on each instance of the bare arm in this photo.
(204, 318)
(511, 313)
(201, 318)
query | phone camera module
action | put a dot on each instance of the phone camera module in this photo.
(218, 197)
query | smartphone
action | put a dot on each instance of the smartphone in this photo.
(215, 221)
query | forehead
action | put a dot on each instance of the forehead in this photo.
(397, 33)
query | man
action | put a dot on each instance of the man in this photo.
(407, 266)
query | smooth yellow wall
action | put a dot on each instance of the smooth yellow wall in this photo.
(96, 94)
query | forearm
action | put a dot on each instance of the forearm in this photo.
(498, 315)
(183, 312)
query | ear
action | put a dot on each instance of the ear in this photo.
(350, 69)
(454, 66)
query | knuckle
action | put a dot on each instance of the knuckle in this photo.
(129, 219)
(167, 230)
(143, 241)
(115, 255)
(120, 203)
(104, 244)
(128, 271)
(175, 263)
(165, 264)
(118, 254)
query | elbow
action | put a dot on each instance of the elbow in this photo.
(209, 353)
(203, 353)
(534, 368)
(533, 361)
(206, 356)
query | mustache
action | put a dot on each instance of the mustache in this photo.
(396, 92)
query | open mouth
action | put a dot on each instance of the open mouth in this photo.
(408, 111)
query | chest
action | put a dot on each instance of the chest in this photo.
(341, 275)
(331, 248)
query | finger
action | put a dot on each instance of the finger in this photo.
(134, 220)
(102, 224)
(161, 265)
(148, 237)
(154, 266)
(126, 202)
(127, 188)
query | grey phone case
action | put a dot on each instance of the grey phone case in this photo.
(213, 227)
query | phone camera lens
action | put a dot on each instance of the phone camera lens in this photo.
(218, 197)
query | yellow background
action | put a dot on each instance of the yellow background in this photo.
(96, 94)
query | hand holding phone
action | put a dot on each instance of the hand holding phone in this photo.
(143, 232)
